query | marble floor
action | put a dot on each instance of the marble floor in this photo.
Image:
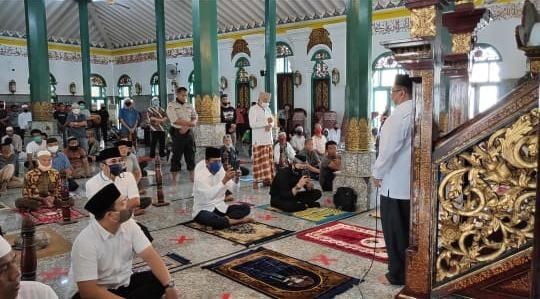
(201, 248)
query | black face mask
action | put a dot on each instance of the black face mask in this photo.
(116, 169)
(25, 110)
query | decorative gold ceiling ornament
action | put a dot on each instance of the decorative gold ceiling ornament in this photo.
(358, 135)
(208, 109)
(423, 21)
(319, 36)
(461, 43)
(487, 197)
(240, 46)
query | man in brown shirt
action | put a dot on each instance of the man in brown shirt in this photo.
(77, 159)
(157, 117)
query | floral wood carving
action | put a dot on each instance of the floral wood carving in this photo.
(487, 197)
(319, 36)
(240, 46)
(207, 108)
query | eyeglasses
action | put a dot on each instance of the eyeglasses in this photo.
(396, 90)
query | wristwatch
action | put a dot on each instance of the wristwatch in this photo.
(170, 284)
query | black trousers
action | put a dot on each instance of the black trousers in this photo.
(218, 220)
(157, 136)
(301, 201)
(143, 285)
(395, 218)
(104, 133)
(183, 145)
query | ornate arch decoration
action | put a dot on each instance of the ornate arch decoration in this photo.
(283, 49)
(319, 36)
(242, 62)
(97, 80)
(124, 80)
(240, 46)
(154, 80)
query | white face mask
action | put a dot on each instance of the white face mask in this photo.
(76, 111)
(52, 149)
(265, 105)
(44, 168)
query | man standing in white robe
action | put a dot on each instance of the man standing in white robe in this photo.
(392, 175)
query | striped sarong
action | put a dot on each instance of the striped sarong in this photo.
(263, 163)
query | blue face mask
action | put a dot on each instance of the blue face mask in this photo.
(116, 169)
(214, 167)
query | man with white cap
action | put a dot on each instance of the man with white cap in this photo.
(11, 286)
(261, 123)
(42, 186)
(157, 117)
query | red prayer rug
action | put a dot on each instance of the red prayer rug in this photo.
(353, 239)
(51, 215)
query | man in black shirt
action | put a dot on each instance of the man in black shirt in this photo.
(104, 124)
(228, 116)
(330, 164)
(61, 115)
(292, 189)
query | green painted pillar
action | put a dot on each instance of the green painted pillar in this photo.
(161, 51)
(85, 50)
(38, 58)
(205, 60)
(358, 87)
(270, 51)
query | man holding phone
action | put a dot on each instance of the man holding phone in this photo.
(292, 189)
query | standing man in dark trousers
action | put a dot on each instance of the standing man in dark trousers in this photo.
(104, 125)
(157, 118)
(183, 118)
(392, 175)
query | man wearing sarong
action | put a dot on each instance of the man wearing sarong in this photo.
(261, 123)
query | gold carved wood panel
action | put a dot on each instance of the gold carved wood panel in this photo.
(285, 90)
(243, 95)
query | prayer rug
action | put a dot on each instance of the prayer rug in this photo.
(173, 262)
(248, 178)
(281, 276)
(3, 206)
(353, 239)
(317, 215)
(57, 244)
(246, 234)
(51, 215)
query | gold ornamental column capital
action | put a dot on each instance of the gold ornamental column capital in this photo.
(358, 135)
(42, 111)
(208, 109)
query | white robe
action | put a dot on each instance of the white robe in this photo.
(393, 164)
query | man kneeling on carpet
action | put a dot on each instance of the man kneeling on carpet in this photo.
(42, 186)
(292, 189)
(102, 254)
(209, 187)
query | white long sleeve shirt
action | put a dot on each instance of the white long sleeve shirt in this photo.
(297, 142)
(24, 119)
(209, 190)
(289, 153)
(393, 164)
(258, 119)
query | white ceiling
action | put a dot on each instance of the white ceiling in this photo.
(114, 26)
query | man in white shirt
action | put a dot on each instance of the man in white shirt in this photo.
(33, 147)
(391, 173)
(319, 140)
(24, 118)
(211, 183)
(298, 139)
(283, 151)
(102, 254)
(334, 134)
(261, 123)
(11, 286)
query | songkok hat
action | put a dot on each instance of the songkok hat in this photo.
(5, 248)
(403, 81)
(43, 153)
(123, 142)
(7, 141)
(103, 200)
(212, 152)
(300, 158)
(108, 153)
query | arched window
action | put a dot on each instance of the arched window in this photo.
(52, 85)
(320, 84)
(154, 85)
(98, 89)
(385, 68)
(485, 78)
(242, 83)
(191, 87)
(283, 51)
(124, 87)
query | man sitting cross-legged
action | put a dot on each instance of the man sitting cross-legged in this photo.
(102, 254)
(211, 183)
(292, 189)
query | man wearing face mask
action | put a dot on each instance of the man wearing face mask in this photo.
(25, 117)
(76, 125)
(102, 254)
(77, 158)
(183, 118)
(33, 147)
(211, 183)
(42, 186)
(283, 151)
(334, 134)
(319, 140)
(84, 110)
(157, 118)
(60, 161)
(261, 123)
(298, 139)
(129, 118)
(292, 189)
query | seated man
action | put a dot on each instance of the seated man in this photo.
(9, 167)
(298, 139)
(330, 164)
(16, 141)
(210, 184)
(102, 254)
(319, 140)
(42, 186)
(60, 161)
(33, 147)
(11, 285)
(291, 190)
(313, 160)
(93, 146)
(229, 155)
(283, 151)
(77, 158)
